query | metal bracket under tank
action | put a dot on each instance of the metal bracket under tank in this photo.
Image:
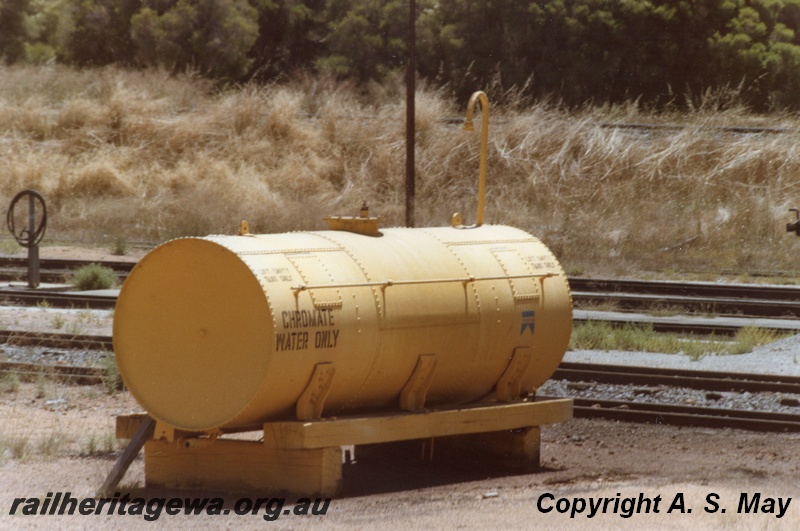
(412, 397)
(509, 386)
(311, 402)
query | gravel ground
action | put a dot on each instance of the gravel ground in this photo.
(775, 402)
(780, 357)
(53, 356)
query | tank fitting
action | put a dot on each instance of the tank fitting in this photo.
(478, 96)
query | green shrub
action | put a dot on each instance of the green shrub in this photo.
(93, 276)
(120, 247)
(113, 380)
(749, 338)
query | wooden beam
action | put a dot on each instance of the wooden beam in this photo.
(243, 466)
(143, 432)
(402, 427)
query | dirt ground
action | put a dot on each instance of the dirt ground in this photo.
(56, 438)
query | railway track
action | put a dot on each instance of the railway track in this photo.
(55, 271)
(57, 299)
(680, 414)
(654, 376)
(700, 297)
(69, 373)
(677, 415)
(49, 340)
(75, 374)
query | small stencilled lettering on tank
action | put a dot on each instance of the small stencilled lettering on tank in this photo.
(275, 274)
(540, 261)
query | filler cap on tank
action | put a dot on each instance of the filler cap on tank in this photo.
(361, 224)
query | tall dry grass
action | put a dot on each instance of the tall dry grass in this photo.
(150, 156)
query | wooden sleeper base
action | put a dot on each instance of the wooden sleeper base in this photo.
(305, 457)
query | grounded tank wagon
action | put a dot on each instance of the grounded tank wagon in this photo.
(354, 335)
(226, 331)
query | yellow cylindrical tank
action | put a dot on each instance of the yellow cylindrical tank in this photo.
(226, 331)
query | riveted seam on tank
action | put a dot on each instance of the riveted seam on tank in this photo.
(296, 261)
(349, 252)
(503, 230)
(484, 242)
(291, 251)
(328, 272)
(222, 241)
(239, 246)
(506, 270)
(431, 234)
(559, 272)
(264, 289)
(265, 292)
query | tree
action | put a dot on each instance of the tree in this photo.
(472, 43)
(366, 39)
(97, 32)
(759, 48)
(12, 29)
(213, 36)
(290, 36)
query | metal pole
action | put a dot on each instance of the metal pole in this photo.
(33, 250)
(410, 113)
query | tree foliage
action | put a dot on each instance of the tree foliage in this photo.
(366, 39)
(290, 36)
(212, 36)
(97, 32)
(13, 33)
(657, 51)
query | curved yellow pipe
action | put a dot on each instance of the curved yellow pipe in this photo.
(475, 98)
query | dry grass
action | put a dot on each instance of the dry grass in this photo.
(63, 420)
(594, 335)
(150, 156)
